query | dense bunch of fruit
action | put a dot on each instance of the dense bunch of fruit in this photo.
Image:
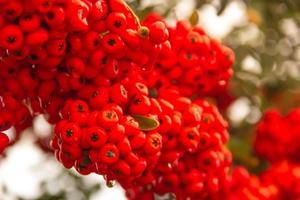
(98, 76)
(286, 177)
(243, 186)
(126, 99)
(193, 162)
(276, 140)
(191, 61)
(57, 50)
(277, 136)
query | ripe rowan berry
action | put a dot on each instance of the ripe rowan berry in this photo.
(99, 97)
(153, 143)
(37, 37)
(108, 118)
(158, 32)
(55, 16)
(95, 136)
(189, 138)
(11, 37)
(56, 47)
(29, 22)
(140, 105)
(109, 154)
(121, 168)
(70, 133)
(116, 22)
(113, 43)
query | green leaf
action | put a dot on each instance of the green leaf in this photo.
(146, 123)
(194, 18)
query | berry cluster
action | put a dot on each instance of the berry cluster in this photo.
(276, 141)
(277, 136)
(280, 181)
(191, 61)
(113, 89)
(193, 163)
(285, 176)
(243, 186)
(52, 50)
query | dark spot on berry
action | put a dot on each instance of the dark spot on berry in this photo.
(205, 119)
(193, 40)
(105, 60)
(140, 86)
(80, 108)
(197, 77)
(210, 72)
(11, 39)
(137, 101)
(10, 71)
(207, 162)
(95, 94)
(111, 42)
(189, 56)
(155, 142)
(94, 137)
(33, 57)
(118, 24)
(69, 133)
(32, 75)
(109, 115)
(28, 17)
(168, 183)
(10, 12)
(46, 4)
(201, 86)
(50, 15)
(191, 135)
(118, 172)
(96, 42)
(61, 46)
(18, 53)
(82, 80)
(110, 154)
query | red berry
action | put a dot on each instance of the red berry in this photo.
(29, 22)
(153, 143)
(112, 43)
(55, 16)
(158, 32)
(189, 138)
(37, 37)
(95, 136)
(99, 97)
(11, 37)
(140, 105)
(121, 168)
(109, 154)
(70, 133)
(56, 47)
(119, 94)
(108, 118)
(116, 22)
